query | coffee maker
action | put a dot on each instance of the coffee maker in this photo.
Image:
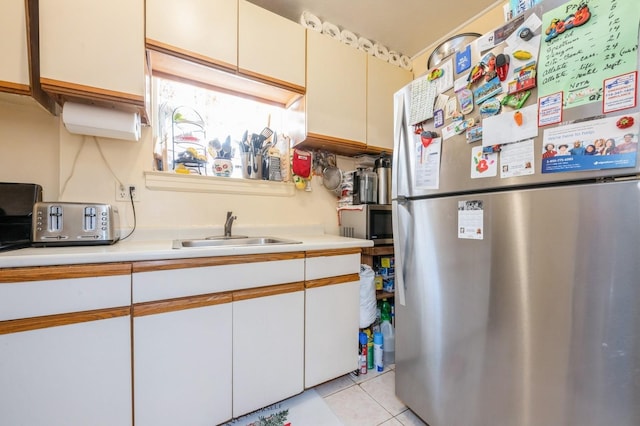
(365, 186)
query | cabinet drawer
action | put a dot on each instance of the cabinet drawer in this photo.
(332, 265)
(190, 281)
(32, 292)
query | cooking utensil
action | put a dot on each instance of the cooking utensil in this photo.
(332, 179)
(267, 133)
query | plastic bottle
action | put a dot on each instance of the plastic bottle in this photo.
(389, 339)
(377, 351)
(363, 352)
(385, 311)
(370, 364)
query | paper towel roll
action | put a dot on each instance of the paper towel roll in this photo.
(405, 61)
(311, 21)
(380, 51)
(104, 122)
(394, 58)
(331, 30)
(349, 38)
(365, 45)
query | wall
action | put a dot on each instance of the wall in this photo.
(35, 147)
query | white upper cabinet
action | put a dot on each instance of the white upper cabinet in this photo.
(93, 50)
(14, 67)
(205, 31)
(336, 101)
(271, 47)
(383, 80)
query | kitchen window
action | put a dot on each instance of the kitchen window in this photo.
(198, 124)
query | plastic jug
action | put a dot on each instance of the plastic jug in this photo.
(389, 346)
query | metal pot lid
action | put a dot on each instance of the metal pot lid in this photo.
(449, 47)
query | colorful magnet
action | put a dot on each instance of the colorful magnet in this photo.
(525, 33)
(625, 122)
(490, 107)
(502, 66)
(426, 137)
(522, 55)
(516, 100)
(487, 90)
(435, 74)
(463, 60)
(517, 117)
(465, 98)
(474, 134)
(462, 125)
(438, 118)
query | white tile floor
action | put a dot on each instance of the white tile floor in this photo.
(367, 400)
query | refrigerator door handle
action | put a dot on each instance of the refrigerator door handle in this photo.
(400, 124)
(397, 250)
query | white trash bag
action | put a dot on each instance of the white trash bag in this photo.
(368, 302)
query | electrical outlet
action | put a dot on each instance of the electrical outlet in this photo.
(122, 192)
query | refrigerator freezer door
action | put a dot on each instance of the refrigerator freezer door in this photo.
(537, 323)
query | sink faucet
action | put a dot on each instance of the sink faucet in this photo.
(228, 223)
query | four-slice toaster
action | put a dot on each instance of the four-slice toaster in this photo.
(70, 224)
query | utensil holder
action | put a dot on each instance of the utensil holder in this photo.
(251, 165)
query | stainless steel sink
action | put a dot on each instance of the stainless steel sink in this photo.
(232, 242)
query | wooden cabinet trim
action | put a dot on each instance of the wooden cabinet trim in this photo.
(64, 88)
(44, 273)
(341, 279)
(48, 321)
(334, 252)
(180, 304)
(253, 293)
(272, 81)
(15, 88)
(188, 55)
(199, 262)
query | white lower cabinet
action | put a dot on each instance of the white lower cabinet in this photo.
(216, 338)
(268, 346)
(331, 314)
(77, 374)
(65, 346)
(182, 362)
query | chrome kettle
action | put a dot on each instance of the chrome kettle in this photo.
(383, 171)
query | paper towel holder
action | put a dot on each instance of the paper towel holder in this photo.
(93, 120)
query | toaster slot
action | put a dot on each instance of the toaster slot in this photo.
(55, 218)
(90, 219)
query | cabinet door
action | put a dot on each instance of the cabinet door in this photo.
(268, 344)
(182, 361)
(93, 50)
(331, 329)
(78, 374)
(332, 314)
(14, 67)
(336, 90)
(271, 47)
(383, 80)
(203, 30)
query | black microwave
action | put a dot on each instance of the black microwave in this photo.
(369, 222)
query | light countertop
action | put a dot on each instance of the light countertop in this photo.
(161, 248)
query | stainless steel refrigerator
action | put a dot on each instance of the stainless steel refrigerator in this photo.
(535, 320)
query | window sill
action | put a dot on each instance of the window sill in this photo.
(164, 181)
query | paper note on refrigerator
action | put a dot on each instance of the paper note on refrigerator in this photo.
(506, 128)
(423, 96)
(427, 164)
